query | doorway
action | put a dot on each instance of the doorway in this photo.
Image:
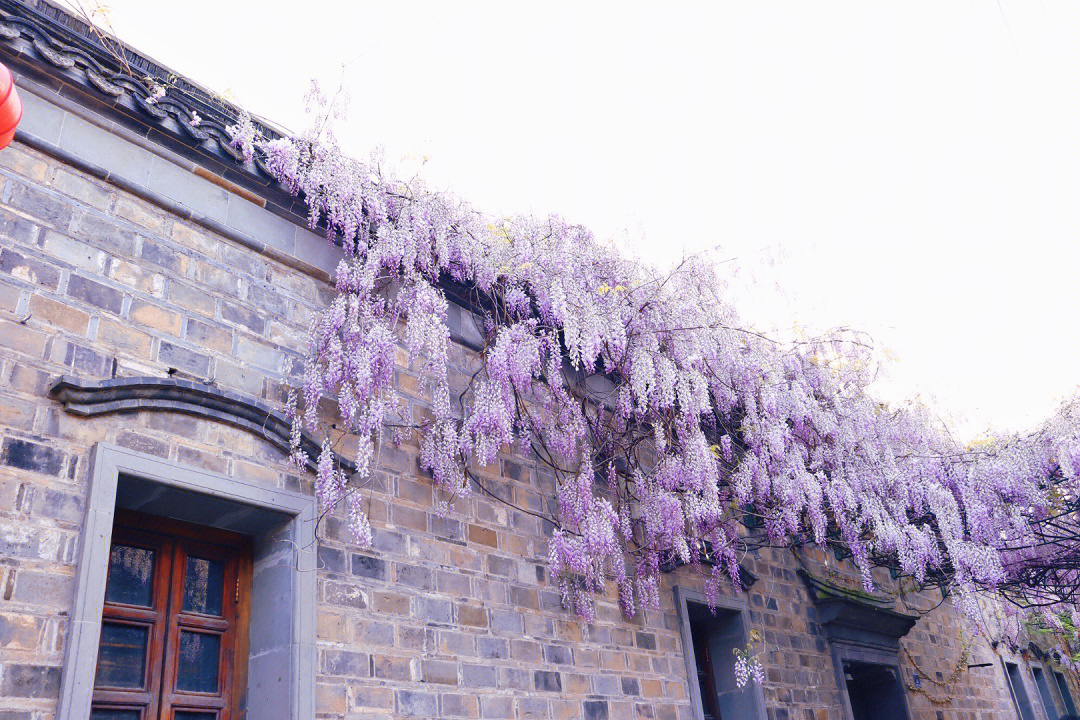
(173, 632)
(874, 691)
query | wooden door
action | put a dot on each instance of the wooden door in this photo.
(174, 627)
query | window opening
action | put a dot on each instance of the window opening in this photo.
(1066, 696)
(1044, 693)
(1019, 692)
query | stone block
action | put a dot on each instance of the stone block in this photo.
(243, 315)
(440, 672)
(185, 359)
(105, 232)
(32, 456)
(113, 334)
(192, 298)
(367, 566)
(164, 257)
(29, 681)
(95, 193)
(45, 207)
(29, 269)
(156, 317)
(412, 703)
(94, 293)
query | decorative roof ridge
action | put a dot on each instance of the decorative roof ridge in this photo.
(63, 47)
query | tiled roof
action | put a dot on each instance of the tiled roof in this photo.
(58, 50)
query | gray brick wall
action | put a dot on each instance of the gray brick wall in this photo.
(448, 616)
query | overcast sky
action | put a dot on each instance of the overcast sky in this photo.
(911, 169)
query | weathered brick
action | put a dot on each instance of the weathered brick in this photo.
(409, 518)
(27, 455)
(547, 681)
(467, 706)
(258, 353)
(367, 566)
(341, 593)
(94, 293)
(29, 269)
(182, 358)
(596, 710)
(105, 232)
(30, 681)
(45, 207)
(19, 632)
(49, 589)
(138, 277)
(243, 260)
(74, 252)
(189, 297)
(165, 257)
(21, 339)
(414, 576)
(231, 376)
(371, 632)
(23, 162)
(216, 278)
(528, 651)
(269, 299)
(478, 675)
(456, 644)
(434, 610)
(331, 559)
(329, 698)
(492, 648)
(483, 536)
(139, 212)
(155, 316)
(18, 229)
(390, 603)
(497, 707)
(210, 336)
(646, 641)
(198, 458)
(195, 238)
(440, 672)
(81, 358)
(471, 615)
(557, 654)
(391, 668)
(121, 335)
(58, 505)
(411, 703)
(533, 709)
(91, 192)
(143, 443)
(346, 663)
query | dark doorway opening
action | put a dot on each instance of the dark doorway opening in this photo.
(714, 637)
(875, 691)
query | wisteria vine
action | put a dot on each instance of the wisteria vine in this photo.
(672, 431)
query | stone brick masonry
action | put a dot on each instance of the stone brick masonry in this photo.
(448, 616)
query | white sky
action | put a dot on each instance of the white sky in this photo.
(908, 169)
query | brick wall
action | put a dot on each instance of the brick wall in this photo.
(449, 615)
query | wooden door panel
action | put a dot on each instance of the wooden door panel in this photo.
(173, 626)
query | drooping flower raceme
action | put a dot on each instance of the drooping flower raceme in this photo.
(672, 432)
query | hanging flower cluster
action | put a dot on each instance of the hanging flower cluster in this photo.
(672, 431)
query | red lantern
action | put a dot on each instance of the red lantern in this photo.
(10, 107)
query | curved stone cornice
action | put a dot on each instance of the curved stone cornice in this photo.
(854, 616)
(90, 398)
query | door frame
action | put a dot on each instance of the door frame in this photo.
(109, 464)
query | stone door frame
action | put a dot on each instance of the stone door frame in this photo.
(285, 594)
